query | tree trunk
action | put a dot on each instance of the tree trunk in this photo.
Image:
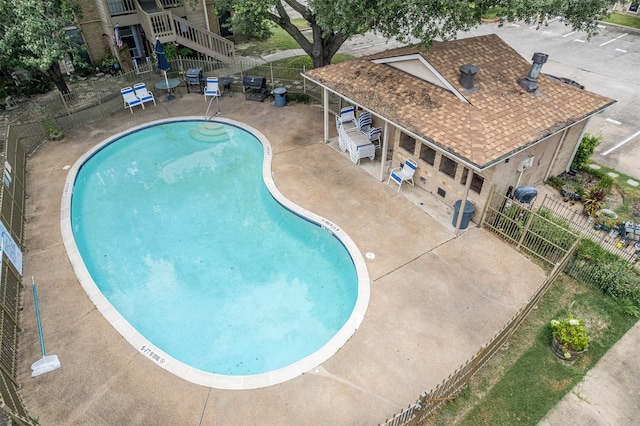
(324, 47)
(55, 75)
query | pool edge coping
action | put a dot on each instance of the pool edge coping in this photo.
(173, 365)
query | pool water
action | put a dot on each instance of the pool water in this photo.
(185, 240)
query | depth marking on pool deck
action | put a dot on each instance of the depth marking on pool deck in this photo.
(146, 350)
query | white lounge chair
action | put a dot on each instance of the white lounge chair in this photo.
(374, 136)
(130, 98)
(143, 94)
(403, 174)
(347, 119)
(364, 122)
(212, 89)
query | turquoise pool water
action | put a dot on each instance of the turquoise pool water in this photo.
(184, 239)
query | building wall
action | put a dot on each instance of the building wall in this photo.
(92, 28)
(548, 160)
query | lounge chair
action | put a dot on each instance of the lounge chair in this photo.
(403, 174)
(130, 98)
(212, 89)
(364, 122)
(374, 136)
(143, 94)
(347, 119)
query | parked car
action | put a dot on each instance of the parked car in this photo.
(566, 81)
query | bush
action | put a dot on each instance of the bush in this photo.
(571, 334)
(583, 155)
(594, 200)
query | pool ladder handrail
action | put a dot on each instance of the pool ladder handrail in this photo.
(206, 114)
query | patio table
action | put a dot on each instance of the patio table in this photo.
(168, 85)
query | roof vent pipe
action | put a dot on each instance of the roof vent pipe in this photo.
(530, 83)
(467, 75)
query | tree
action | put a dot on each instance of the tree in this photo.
(32, 36)
(333, 22)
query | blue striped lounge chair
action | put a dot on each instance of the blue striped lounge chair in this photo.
(374, 136)
(212, 89)
(143, 94)
(364, 122)
(403, 174)
(130, 98)
(347, 119)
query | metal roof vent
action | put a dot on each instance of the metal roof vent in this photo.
(530, 83)
(467, 75)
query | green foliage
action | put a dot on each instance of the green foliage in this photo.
(39, 40)
(594, 200)
(606, 271)
(570, 334)
(583, 155)
(606, 183)
(302, 98)
(335, 22)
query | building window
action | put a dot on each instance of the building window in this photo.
(408, 143)
(448, 166)
(633, 7)
(476, 181)
(428, 155)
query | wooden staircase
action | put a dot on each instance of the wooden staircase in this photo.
(170, 28)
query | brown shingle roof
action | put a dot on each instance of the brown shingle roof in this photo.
(500, 118)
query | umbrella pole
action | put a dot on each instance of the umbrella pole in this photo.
(166, 80)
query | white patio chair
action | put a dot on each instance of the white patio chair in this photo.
(143, 94)
(130, 98)
(347, 119)
(403, 174)
(374, 136)
(364, 122)
(212, 89)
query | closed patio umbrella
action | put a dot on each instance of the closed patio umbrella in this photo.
(163, 64)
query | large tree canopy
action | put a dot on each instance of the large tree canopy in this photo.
(334, 21)
(32, 36)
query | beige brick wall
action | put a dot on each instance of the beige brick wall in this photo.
(500, 176)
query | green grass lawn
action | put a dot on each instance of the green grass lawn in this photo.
(522, 383)
(279, 40)
(622, 19)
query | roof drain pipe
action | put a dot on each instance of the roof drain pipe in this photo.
(530, 82)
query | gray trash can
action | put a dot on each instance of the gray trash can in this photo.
(280, 96)
(469, 210)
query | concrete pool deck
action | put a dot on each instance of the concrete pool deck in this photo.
(435, 299)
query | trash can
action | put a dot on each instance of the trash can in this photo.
(469, 210)
(280, 96)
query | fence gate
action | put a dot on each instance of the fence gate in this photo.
(540, 232)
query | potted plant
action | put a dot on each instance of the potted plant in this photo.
(594, 201)
(569, 337)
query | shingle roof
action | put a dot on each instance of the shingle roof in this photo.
(500, 118)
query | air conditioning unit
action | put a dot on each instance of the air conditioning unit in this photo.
(525, 163)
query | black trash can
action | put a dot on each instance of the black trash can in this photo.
(469, 210)
(280, 96)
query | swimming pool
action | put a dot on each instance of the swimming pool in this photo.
(189, 250)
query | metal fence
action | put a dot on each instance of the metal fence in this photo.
(12, 194)
(539, 233)
(98, 98)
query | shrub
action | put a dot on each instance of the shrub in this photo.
(594, 200)
(570, 334)
(583, 155)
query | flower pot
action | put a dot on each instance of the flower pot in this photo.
(560, 352)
